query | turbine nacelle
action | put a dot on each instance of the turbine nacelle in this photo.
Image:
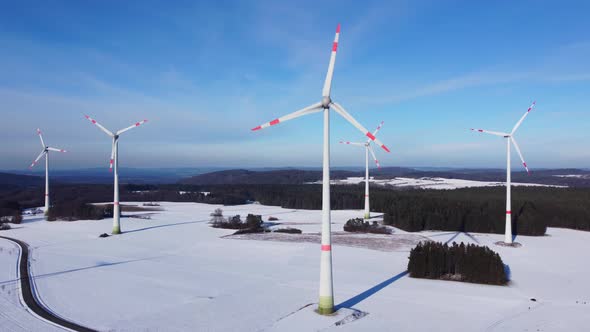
(326, 102)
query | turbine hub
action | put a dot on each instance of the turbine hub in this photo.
(326, 102)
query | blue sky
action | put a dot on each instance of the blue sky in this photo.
(204, 73)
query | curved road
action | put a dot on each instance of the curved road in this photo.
(29, 296)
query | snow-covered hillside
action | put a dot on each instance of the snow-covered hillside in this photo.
(174, 272)
(432, 183)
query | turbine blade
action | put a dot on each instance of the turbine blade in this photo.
(41, 137)
(374, 157)
(99, 126)
(112, 156)
(137, 124)
(351, 143)
(378, 128)
(307, 110)
(55, 149)
(37, 159)
(340, 110)
(328, 81)
(497, 133)
(524, 116)
(519, 154)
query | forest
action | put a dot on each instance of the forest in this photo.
(458, 262)
(470, 209)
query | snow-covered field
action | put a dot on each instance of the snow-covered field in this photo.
(577, 176)
(175, 273)
(433, 183)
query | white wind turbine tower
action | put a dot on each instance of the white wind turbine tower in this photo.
(368, 149)
(509, 138)
(326, 294)
(115, 161)
(45, 153)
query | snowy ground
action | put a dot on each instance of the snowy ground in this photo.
(175, 273)
(433, 183)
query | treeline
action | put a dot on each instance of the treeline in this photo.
(10, 212)
(78, 210)
(469, 263)
(470, 209)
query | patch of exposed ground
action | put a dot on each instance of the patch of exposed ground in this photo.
(393, 242)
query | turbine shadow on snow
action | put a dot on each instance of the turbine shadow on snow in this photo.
(99, 265)
(201, 221)
(455, 234)
(165, 225)
(369, 292)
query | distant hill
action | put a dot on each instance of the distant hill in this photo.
(284, 176)
(13, 181)
(101, 175)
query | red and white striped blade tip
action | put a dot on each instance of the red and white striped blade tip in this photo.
(256, 128)
(338, 28)
(532, 105)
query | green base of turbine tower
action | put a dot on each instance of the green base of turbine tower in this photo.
(326, 306)
(116, 230)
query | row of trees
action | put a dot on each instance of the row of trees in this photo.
(78, 210)
(10, 212)
(358, 225)
(469, 263)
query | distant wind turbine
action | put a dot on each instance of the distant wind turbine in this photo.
(115, 161)
(368, 149)
(326, 298)
(45, 152)
(510, 138)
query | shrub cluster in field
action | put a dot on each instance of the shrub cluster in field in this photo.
(469, 263)
(358, 225)
(253, 222)
(288, 230)
(76, 210)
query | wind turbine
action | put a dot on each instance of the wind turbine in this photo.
(510, 138)
(326, 294)
(115, 161)
(368, 149)
(45, 152)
